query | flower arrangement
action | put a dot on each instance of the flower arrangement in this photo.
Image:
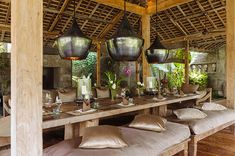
(127, 71)
(140, 85)
(112, 82)
(140, 88)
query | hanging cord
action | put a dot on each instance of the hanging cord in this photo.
(74, 9)
(156, 15)
(124, 6)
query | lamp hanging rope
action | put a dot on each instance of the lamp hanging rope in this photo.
(156, 53)
(73, 45)
(125, 45)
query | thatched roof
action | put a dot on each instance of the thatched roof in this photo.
(200, 21)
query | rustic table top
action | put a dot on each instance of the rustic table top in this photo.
(106, 108)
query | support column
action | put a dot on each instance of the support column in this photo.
(186, 58)
(98, 46)
(230, 53)
(146, 37)
(26, 77)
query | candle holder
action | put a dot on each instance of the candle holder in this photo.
(86, 105)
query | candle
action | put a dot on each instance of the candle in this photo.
(84, 90)
(150, 84)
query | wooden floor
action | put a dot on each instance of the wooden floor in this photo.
(219, 144)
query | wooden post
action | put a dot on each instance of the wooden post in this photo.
(186, 58)
(146, 37)
(26, 77)
(98, 45)
(230, 54)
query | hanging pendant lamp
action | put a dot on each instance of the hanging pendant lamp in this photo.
(73, 45)
(125, 45)
(156, 53)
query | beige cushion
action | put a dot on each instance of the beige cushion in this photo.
(5, 126)
(149, 122)
(211, 106)
(67, 96)
(140, 143)
(102, 93)
(189, 114)
(189, 88)
(213, 120)
(102, 137)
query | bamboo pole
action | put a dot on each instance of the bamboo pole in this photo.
(146, 37)
(98, 45)
(186, 59)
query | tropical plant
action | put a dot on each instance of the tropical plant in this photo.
(180, 54)
(176, 76)
(198, 78)
(112, 81)
(85, 67)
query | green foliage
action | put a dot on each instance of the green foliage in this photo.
(112, 81)
(85, 67)
(198, 78)
(176, 76)
(180, 55)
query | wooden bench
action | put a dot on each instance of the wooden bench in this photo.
(197, 137)
(140, 142)
(214, 122)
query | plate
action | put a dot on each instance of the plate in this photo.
(122, 105)
(156, 99)
(79, 111)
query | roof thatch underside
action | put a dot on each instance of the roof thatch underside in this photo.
(202, 22)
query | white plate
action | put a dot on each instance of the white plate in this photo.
(122, 105)
(84, 112)
(156, 99)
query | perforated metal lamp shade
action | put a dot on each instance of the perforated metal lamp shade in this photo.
(125, 45)
(73, 45)
(156, 53)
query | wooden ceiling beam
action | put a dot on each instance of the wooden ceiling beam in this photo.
(192, 37)
(6, 1)
(163, 5)
(109, 27)
(119, 4)
(65, 4)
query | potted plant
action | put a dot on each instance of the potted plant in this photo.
(176, 77)
(113, 83)
(198, 78)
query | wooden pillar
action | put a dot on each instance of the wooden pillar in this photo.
(98, 45)
(186, 72)
(230, 53)
(146, 37)
(26, 77)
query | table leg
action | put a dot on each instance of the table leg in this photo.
(145, 111)
(85, 124)
(162, 110)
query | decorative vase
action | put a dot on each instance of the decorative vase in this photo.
(113, 94)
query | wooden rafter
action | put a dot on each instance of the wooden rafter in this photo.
(109, 27)
(6, 20)
(77, 16)
(196, 36)
(119, 4)
(164, 4)
(58, 15)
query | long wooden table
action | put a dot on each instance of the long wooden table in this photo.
(74, 124)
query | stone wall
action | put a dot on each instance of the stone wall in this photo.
(62, 70)
(217, 79)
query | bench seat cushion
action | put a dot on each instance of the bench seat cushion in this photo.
(140, 143)
(214, 119)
